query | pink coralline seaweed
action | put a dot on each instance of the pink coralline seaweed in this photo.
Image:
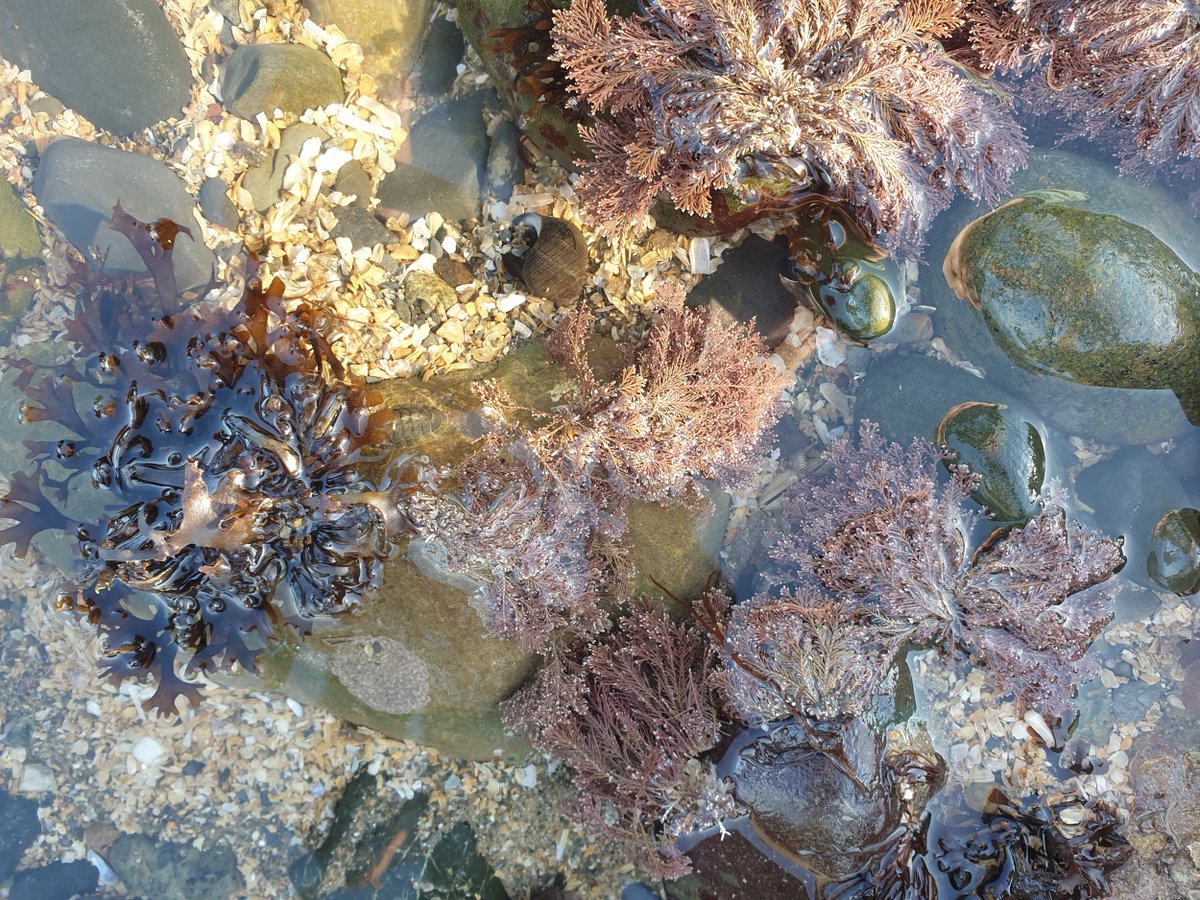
(857, 100)
(537, 517)
(881, 529)
(630, 712)
(806, 656)
(1130, 68)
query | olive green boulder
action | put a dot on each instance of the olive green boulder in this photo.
(1003, 449)
(260, 78)
(1108, 415)
(1082, 295)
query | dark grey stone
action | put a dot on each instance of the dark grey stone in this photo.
(216, 205)
(117, 62)
(19, 827)
(376, 838)
(352, 179)
(443, 164)
(747, 285)
(264, 77)
(361, 226)
(56, 881)
(504, 166)
(170, 871)
(265, 180)
(444, 46)
(78, 183)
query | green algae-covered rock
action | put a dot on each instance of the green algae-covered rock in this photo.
(864, 309)
(1174, 561)
(1109, 415)
(1082, 295)
(290, 77)
(1004, 449)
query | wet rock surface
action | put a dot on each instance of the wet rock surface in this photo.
(1003, 448)
(174, 871)
(443, 165)
(19, 827)
(443, 51)
(374, 850)
(389, 33)
(1082, 295)
(56, 881)
(117, 62)
(1109, 415)
(265, 180)
(78, 184)
(216, 205)
(19, 238)
(260, 78)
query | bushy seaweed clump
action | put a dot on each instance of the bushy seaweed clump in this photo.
(1125, 68)
(879, 553)
(858, 101)
(221, 446)
(537, 515)
(630, 712)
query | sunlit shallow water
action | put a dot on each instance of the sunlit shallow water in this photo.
(236, 797)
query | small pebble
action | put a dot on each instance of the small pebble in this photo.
(148, 751)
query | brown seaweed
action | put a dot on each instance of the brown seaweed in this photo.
(224, 448)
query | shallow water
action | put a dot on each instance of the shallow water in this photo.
(254, 792)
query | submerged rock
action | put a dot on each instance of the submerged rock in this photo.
(1174, 562)
(260, 78)
(375, 848)
(1004, 449)
(806, 805)
(175, 871)
(1082, 295)
(78, 183)
(1109, 415)
(443, 165)
(119, 63)
(265, 180)
(389, 33)
(19, 828)
(19, 238)
(56, 881)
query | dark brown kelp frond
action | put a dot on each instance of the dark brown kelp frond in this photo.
(630, 712)
(695, 97)
(226, 453)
